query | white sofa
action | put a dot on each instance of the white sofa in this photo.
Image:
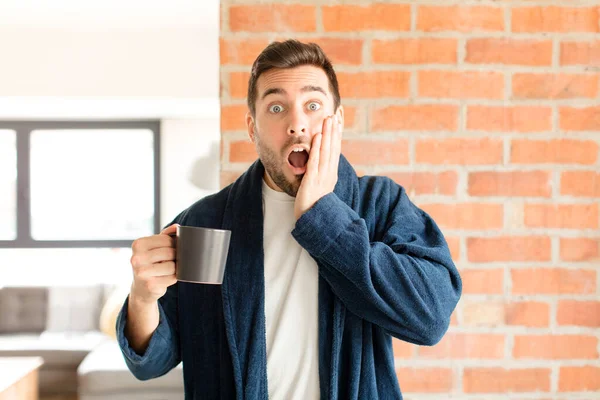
(103, 375)
(62, 325)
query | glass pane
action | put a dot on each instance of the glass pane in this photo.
(94, 184)
(8, 185)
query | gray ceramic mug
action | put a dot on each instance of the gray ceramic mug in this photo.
(201, 254)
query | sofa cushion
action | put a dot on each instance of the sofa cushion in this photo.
(74, 308)
(104, 371)
(55, 309)
(23, 309)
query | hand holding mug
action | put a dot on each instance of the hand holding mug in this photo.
(153, 264)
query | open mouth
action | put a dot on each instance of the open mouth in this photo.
(297, 160)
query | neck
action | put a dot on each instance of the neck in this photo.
(270, 182)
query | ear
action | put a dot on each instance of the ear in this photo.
(250, 124)
(340, 116)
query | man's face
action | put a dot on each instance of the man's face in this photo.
(291, 105)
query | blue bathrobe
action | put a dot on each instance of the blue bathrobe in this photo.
(384, 271)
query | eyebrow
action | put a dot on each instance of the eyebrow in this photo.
(308, 88)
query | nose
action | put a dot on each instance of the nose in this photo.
(296, 130)
(298, 124)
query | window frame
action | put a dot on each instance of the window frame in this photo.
(23, 131)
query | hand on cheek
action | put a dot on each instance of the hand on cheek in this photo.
(322, 168)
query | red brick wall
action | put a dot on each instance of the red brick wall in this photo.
(489, 115)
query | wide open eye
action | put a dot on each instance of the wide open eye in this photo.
(275, 109)
(314, 106)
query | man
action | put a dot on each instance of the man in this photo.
(324, 268)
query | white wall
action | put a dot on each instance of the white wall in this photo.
(155, 62)
(109, 48)
(190, 163)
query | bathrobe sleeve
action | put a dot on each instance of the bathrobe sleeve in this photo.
(391, 267)
(162, 353)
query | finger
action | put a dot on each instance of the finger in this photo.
(166, 268)
(169, 229)
(142, 245)
(165, 280)
(153, 256)
(160, 255)
(336, 146)
(325, 146)
(312, 167)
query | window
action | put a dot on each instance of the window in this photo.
(87, 184)
(8, 184)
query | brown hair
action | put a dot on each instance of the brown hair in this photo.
(290, 54)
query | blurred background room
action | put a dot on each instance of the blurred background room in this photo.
(115, 116)
(109, 127)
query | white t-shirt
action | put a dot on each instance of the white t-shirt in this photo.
(291, 304)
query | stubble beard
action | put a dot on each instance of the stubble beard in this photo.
(273, 164)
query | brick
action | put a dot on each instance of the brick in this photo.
(552, 281)
(579, 249)
(349, 117)
(563, 216)
(555, 347)
(459, 151)
(580, 183)
(425, 380)
(467, 215)
(555, 19)
(222, 148)
(483, 313)
(418, 183)
(554, 86)
(510, 183)
(522, 119)
(460, 18)
(228, 177)
(461, 85)
(580, 53)
(377, 16)
(238, 84)
(499, 313)
(241, 51)
(242, 151)
(531, 314)
(426, 117)
(454, 319)
(233, 117)
(511, 248)
(374, 84)
(454, 247)
(482, 281)
(578, 313)
(558, 151)
(376, 152)
(502, 380)
(466, 346)
(272, 18)
(415, 51)
(579, 379)
(509, 51)
(403, 349)
(579, 119)
(340, 51)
